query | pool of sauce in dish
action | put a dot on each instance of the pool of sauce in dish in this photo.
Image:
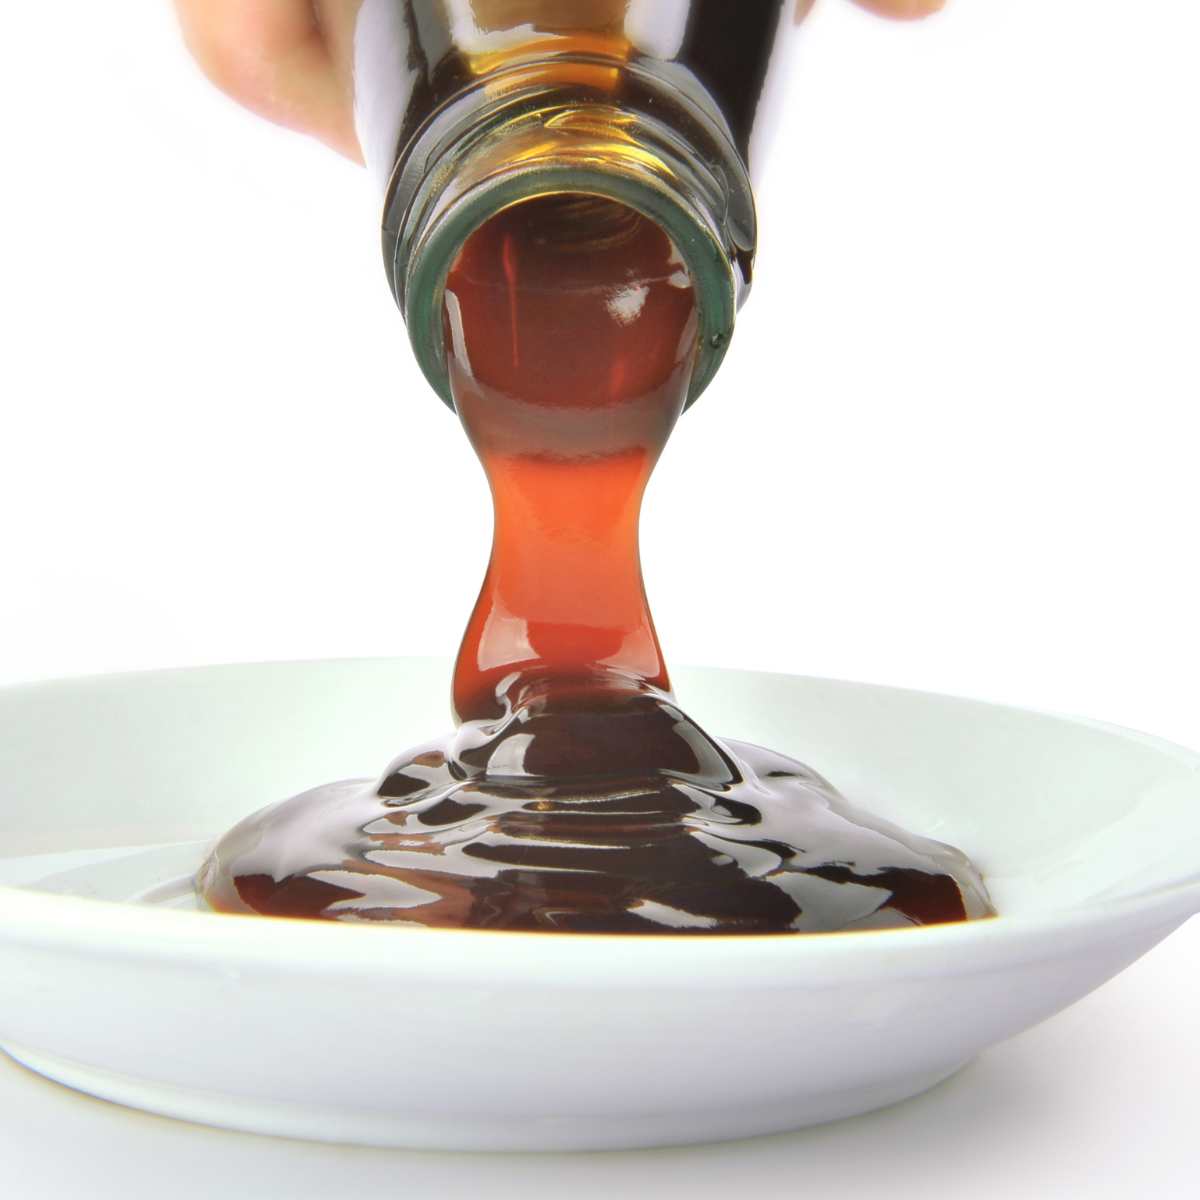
(574, 793)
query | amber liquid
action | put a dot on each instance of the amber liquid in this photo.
(575, 794)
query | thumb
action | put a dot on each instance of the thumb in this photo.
(902, 9)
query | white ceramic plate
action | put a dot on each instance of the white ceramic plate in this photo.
(110, 787)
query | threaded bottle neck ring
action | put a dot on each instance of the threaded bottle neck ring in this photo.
(554, 141)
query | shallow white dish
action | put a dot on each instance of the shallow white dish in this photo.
(1089, 837)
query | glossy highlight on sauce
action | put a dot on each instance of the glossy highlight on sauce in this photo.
(575, 794)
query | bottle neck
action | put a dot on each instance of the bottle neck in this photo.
(554, 128)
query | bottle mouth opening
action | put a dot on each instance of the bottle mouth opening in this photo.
(507, 170)
(573, 230)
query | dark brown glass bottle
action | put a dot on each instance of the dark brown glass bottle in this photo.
(464, 107)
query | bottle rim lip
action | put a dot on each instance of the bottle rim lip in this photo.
(435, 248)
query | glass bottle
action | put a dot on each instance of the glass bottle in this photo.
(464, 107)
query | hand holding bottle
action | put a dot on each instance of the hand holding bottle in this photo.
(274, 57)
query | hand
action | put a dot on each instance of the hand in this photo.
(273, 57)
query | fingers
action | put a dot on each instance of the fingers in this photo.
(904, 9)
(901, 9)
(269, 56)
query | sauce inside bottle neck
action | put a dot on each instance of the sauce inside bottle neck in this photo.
(571, 336)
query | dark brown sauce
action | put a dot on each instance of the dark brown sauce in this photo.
(575, 794)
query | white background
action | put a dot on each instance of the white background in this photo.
(953, 445)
